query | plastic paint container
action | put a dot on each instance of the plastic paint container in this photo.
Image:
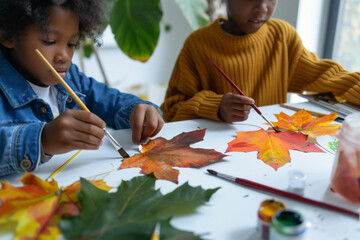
(287, 225)
(297, 182)
(266, 211)
(346, 172)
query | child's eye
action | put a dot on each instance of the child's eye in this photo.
(48, 42)
(73, 45)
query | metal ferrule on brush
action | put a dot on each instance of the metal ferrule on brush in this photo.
(228, 177)
(118, 147)
(112, 140)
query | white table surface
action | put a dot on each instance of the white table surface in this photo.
(231, 212)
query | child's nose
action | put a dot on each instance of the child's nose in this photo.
(262, 7)
(62, 56)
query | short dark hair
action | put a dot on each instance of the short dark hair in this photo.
(17, 15)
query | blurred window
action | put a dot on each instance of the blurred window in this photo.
(346, 48)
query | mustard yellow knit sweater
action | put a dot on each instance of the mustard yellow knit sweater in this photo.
(264, 65)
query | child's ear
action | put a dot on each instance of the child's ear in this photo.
(8, 43)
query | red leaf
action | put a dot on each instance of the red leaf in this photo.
(159, 156)
(273, 148)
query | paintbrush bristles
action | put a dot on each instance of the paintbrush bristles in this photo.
(123, 153)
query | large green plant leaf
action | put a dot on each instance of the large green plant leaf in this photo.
(133, 211)
(135, 24)
(194, 12)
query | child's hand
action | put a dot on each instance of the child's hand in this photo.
(234, 108)
(145, 122)
(73, 129)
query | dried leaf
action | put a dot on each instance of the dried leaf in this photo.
(273, 148)
(133, 211)
(302, 121)
(159, 156)
(37, 206)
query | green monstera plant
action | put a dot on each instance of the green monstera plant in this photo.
(136, 23)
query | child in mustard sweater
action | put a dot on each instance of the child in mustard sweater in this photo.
(264, 57)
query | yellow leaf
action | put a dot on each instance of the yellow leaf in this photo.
(38, 206)
(302, 121)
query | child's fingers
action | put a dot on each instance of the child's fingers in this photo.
(145, 122)
(88, 117)
(238, 116)
(242, 100)
(137, 123)
(83, 140)
(159, 126)
(238, 107)
(73, 129)
(75, 145)
(159, 123)
(57, 141)
(235, 108)
(152, 124)
(82, 121)
(88, 129)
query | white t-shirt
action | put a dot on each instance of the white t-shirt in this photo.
(48, 94)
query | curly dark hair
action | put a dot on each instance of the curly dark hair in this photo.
(17, 15)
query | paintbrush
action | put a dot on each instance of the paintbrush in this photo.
(241, 93)
(62, 166)
(156, 233)
(282, 193)
(316, 114)
(117, 146)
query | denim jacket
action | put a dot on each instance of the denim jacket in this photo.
(23, 115)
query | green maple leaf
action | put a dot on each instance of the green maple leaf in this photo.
(133, 211)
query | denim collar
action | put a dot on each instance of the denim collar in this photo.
(15, 87)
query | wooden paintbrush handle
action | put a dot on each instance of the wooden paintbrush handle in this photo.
(293, 196)
(65, 85)
(232, 83)
(298, 109)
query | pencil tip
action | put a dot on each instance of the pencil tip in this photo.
(212, 172)
(123, 153)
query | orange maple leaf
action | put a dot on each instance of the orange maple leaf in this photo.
(37, 206)
(159, 156)
(273, 148)
(302, 121)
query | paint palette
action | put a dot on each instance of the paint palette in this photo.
(327, 142)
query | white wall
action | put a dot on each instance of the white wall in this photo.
(311, 24)
(287, 10)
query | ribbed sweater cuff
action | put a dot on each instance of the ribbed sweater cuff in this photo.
(209, 107)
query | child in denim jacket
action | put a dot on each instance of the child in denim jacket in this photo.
(31, 98)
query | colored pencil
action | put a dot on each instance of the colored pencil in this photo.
(117, 146)
(282, 193)
(241, 93)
